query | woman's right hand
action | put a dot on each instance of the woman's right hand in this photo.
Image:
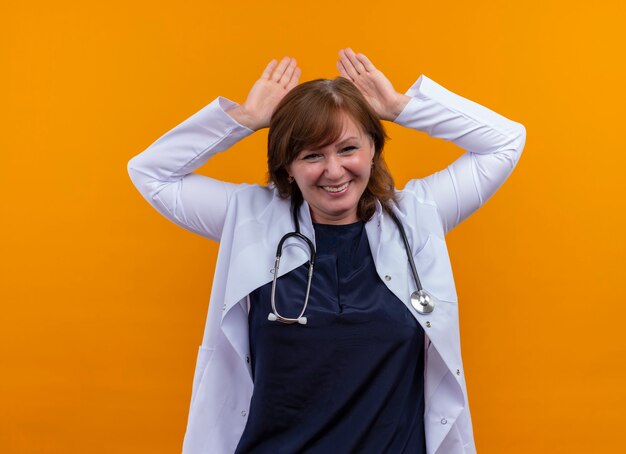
(266, 93)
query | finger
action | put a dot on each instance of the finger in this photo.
(342, 71)
(355, 61)
(294, 79)
(286, 77)
(347, 65)
(367, 64)
(268, 69)
(280, 69)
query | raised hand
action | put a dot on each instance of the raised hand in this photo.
(372, 83)
(266, 93)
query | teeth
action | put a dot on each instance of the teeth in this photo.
(336, 189)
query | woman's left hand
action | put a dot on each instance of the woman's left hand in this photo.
(372, 83)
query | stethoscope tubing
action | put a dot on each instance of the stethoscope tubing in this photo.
(407, 249)
(274, 315)
(421, 300)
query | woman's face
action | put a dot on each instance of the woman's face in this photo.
(332, 179)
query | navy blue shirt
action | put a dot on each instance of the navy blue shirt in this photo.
(352, 378)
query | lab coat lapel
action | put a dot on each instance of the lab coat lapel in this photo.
(392, 265)
(389, 254)
(394, 269)
(252, 258)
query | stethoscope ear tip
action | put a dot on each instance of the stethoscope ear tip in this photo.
(272, 317)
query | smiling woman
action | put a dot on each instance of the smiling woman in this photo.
(372, 363)
(324, 135)
(333, 179)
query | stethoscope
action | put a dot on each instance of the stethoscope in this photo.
(421, 300)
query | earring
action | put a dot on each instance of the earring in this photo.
(290, 179)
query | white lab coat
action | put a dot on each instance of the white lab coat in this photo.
(249, 220)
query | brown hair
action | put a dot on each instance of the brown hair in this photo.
(309, 117)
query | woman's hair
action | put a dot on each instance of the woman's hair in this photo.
(309, 117)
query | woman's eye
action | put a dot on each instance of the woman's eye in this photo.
(346, 149)
(311, 156)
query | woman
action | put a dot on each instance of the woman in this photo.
(353, 360)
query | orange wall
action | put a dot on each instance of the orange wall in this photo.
(103, 301)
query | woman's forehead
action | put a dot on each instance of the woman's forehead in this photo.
(348, 124)
(349, 129)
(338, 127)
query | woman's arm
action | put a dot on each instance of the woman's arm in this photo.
(163, 173)
(493, 143)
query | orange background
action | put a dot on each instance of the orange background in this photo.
(103, 301)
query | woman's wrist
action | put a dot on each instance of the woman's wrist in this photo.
(398, 106)
(241, 116)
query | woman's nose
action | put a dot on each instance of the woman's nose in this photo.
(334, 169)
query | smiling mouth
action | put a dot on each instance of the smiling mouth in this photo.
(336, 188)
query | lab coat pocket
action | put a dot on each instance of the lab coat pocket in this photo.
(204, 356)
(434, 269)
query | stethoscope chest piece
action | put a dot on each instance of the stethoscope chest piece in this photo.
(423, 302)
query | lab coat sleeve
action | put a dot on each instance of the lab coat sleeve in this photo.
(163, 173)
(492, 142)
